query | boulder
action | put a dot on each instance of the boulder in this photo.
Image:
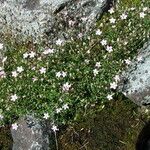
(54, 17)
(136, 79)
(32, 134)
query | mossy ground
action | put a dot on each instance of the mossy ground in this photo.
(114, 128)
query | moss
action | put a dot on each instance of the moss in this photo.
(115, 127)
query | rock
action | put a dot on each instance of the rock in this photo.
(136, 79)
(32, 134)
(55, 17)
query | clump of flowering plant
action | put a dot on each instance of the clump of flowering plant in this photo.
(62, 80)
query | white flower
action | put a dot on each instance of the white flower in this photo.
(58, 110)
(32, 54)
(139, 58)
(64, 74)
(1, 116)
(95, 72)
(14, 97)
(110, 97)
(42, 70)
(20, 69)
(142, 14)
(48, 51)
(14, 74)
(1, 46)
(113, 85)
(2, 74)
(127, 61)
(46, 116)
(66, 86)
(65, 106)
(98, 32)
(98, 64)
(103, 42)
(54, 128)
(14, 126)
(58, 74)
(123, 16)
(111, 11)
(109, 49)
(25, 55)
(117, 78)
(145, 8)
(59, 42)
(112, 20)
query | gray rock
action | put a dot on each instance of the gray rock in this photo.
(32, 134)
(55, 17)
(136, 79)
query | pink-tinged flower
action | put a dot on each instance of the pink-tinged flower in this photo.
(34, 79)
(142, 14)
(14, 126)
(14, 97)
(113, 85)
(48, 51)
(2, 74)
(43, 70)
(54, 128)
(66, 87)
(109, 49)
(14, 74)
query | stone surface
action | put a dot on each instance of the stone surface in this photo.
(136, 79)
(55, 17)
(32, 134)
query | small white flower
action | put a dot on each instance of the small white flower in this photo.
(2, 74)
(109, 49)
(58, 74)
(1, 46)
(14, 126)
(139, 58)
(110, 97)
(123, 16)
(14, 74)
(64, 74)
(25, 55)
(117, 78)
(42, 70)
(14, 97)
(113, 85)
(142, 14)
(127, 61)
(48, 51)
(59, 42)
(1, 117)
(58, 110)
(66, 86)
(95, 72)
(145, 8)
(65, 106)
(111, 11)
(98, 64)
(32, 54)
(112, 20)
(54, 128)
(98, 32)
(20, 69)
(103, 42)
(46, 116)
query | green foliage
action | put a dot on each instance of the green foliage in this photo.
(38, 89)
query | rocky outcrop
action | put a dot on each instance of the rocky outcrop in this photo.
(136, 79)
(32, 134)
(54, 17)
